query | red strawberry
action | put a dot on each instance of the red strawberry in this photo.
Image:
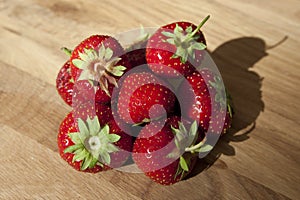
(84, 91)
(100, 60)
(90, 141)
(136, 52)
(221, 122)
(165, 151)
(90, 109)
(201, 92)
(175, 49)
(141, 91)
(64, 141)
(65, 83)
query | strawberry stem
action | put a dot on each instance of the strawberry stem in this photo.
(195, 147)
(67, 51)
(200, 25)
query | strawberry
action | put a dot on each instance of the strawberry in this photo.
(175, 49)
(65, 83)
(90, 141)
(84, 91)
(136, 52)
(201, 92)
(100, 60)
(221, 122)
(139, 92)
(90, 109)
(166, 151)
(64, 141)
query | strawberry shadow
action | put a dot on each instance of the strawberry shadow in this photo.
(235, 59)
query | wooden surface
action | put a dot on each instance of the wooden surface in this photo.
(258, 159)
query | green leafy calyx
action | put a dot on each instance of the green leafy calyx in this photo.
(217, 85)
(100, 66)
(185, 146)
(185, 41)
(92, 144)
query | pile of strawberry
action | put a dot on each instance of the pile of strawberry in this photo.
(122, 112)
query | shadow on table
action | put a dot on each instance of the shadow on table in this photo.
(235, 59)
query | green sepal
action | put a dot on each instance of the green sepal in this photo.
(73, 148)
(189, 29)
(104, 130)
(168, 34)
(99, 66)
(204, 148)
(79, 63)
(113, 137)
(108, 53)
(182, 167)
(83, 130)
(80, 154)
(217, 84)
(175, 131)
(75, 137)
(86, 56)
(183, 164)
(193, 133)
(185, 41)
(111, 148)
(230, 107)
(178, 171)
(199, 46)
(105, 157)
(72, 80)
(67, 51)
(93, 126)
(183, 137)
(86, 150)
(118, 70)
(94, 162)
(86, 162)
(85, 75)
(146, 120)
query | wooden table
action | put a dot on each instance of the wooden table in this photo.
(254, 43)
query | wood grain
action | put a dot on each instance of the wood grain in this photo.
(255, 45)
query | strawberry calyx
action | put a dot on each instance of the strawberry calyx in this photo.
(229, 104)
(217, 84)
(92, 144)
(185, 41)
(185, 139)
(185, 146)
(100, 66)
(225, 101)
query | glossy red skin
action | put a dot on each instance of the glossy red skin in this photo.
(139, 92)
(195, 99)
(197, 95)
(151, 139)
(125, 145)
(219, 123)
(90, 109)
(94, 42)
(84, 91)
(64, 85)
(159, 53)
(137, 54)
